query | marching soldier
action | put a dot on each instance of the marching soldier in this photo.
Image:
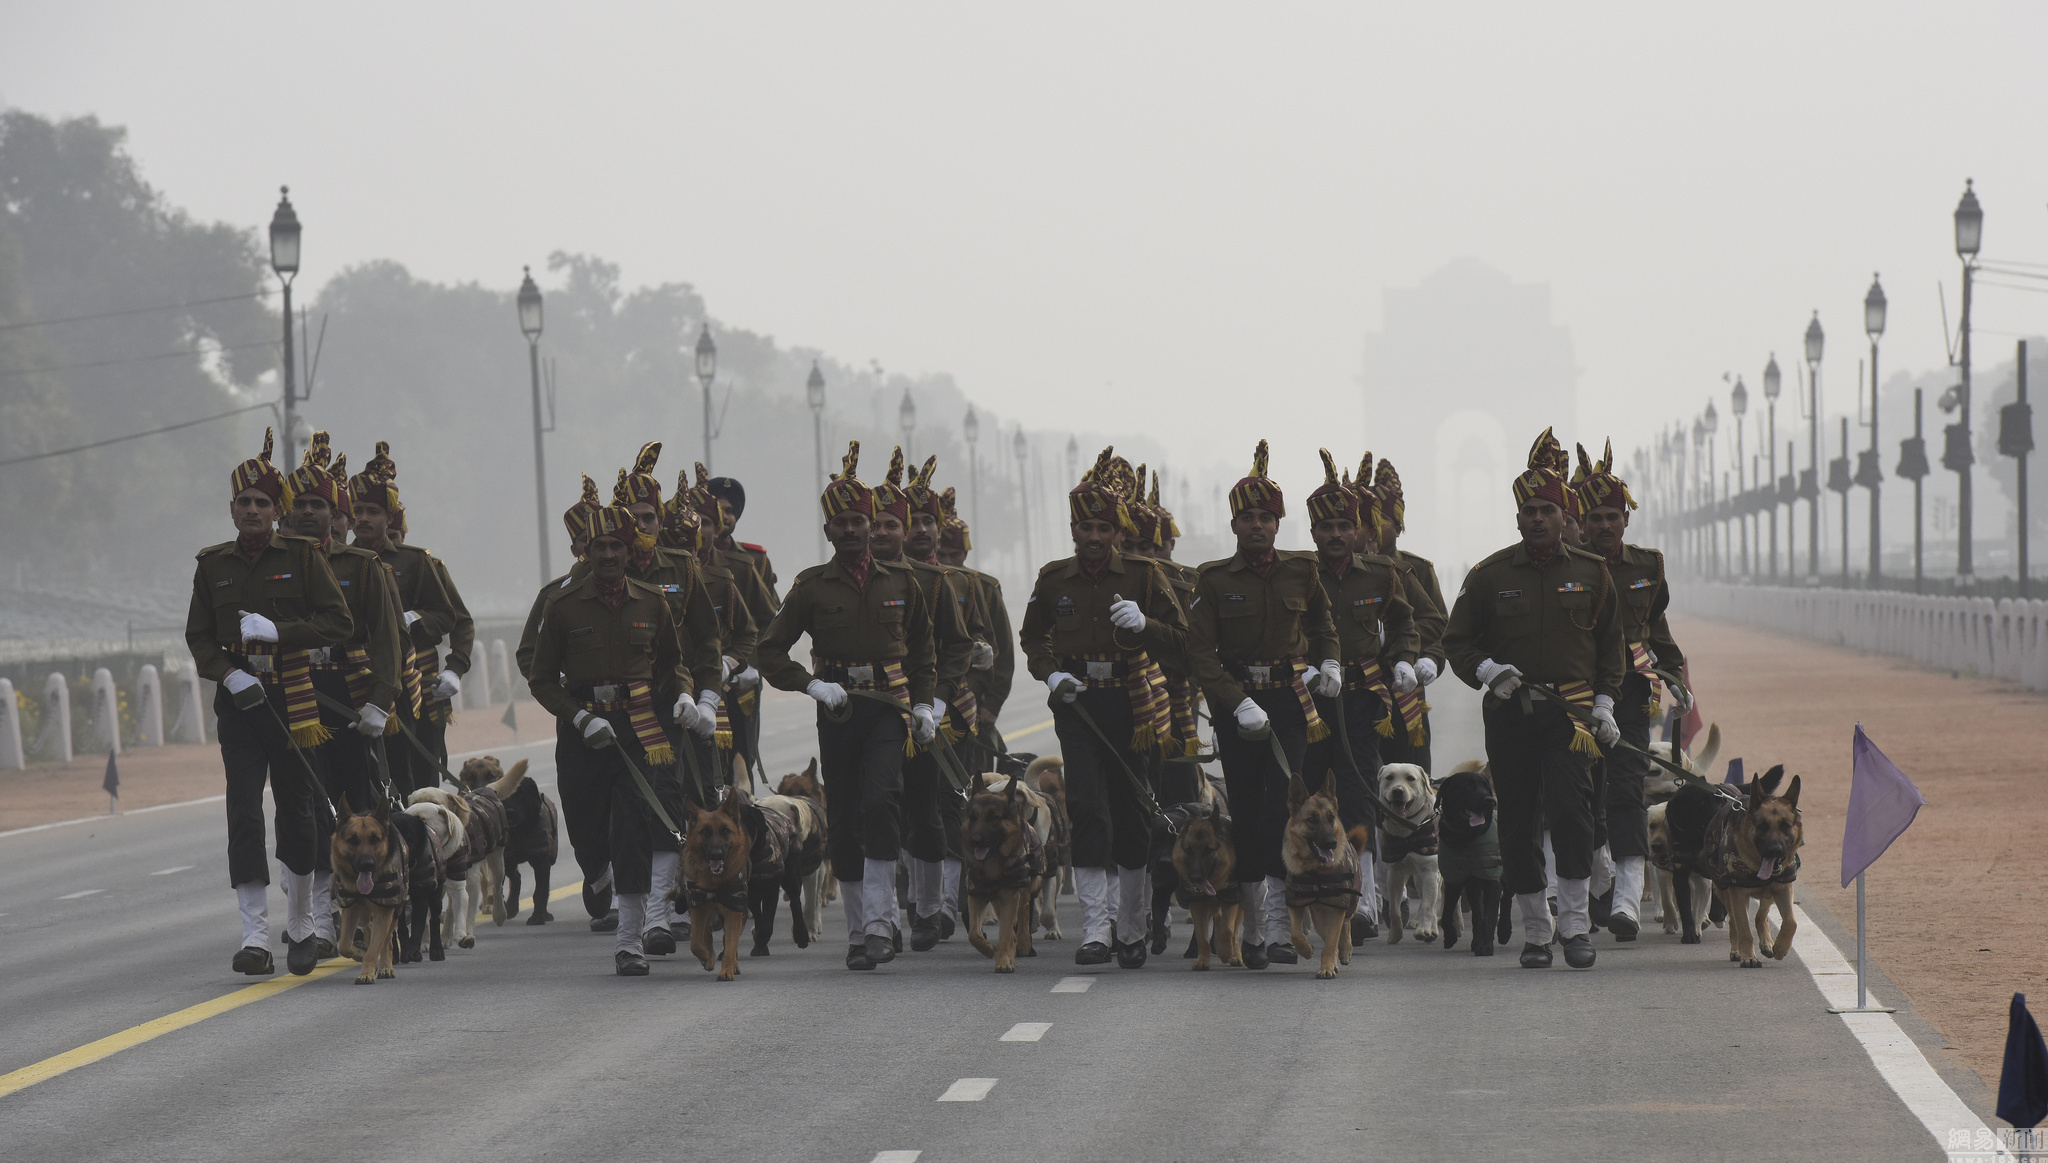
(447, 671)
(871, 630)
(1257, 620)
(1377, 643)
(745, 606)
(989, 674)
(606, 657)
(1638, 576)
(260, 603)
(1542, 612)
(364, 672)
(732, 499)
(1389, 520)
(424, 606)
(1093, 630)
(1177, 782)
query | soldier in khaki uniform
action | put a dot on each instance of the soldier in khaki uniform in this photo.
(732, 501)
(424, 605)
(364, 672)
(260, 604)
(1176, 782)
(1388, 520)
(871, 629)
(1545, 612)
(606, 657)
(1638, 577)
(447, 670)
(745, 606)
(1258, 625)
(1095, 626)
(989, 675)
(1377, 644)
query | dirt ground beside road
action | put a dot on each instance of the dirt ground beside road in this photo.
(1957, 906)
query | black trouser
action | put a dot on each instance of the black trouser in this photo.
(1400, 750)
(1110, 825)
(433, 732)
(343, 763)
(1257, 786)
(410, 770)
(924, 823)
(1628, 817)
(254, 748)
(1359, 769)
(861, 760)
(611, 822)
(1542, 783)
(743, 731)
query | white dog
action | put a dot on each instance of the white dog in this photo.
(1411, 826)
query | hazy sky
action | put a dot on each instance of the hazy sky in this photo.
(1179, 216)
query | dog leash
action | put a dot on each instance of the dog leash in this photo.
(1571, 708)
(942, 750)
(342, 708)
(1372, 792)
(320, 800)
(1144, 795)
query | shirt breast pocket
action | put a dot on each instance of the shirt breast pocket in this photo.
(584, 638)
(892, 619)
(1512, 608)
(284, 599)
(1577, 601)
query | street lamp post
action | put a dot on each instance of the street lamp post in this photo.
(814, 393)
(906, 417)
(1957, 454)
(1711, 420)
(1738, 404)
(529, 325)
(1701, 563)
(284, 259)
(1771, 387)
(707, 367)
(971, 429)
(1913, 467)
(1868, 474)
(1815, 340)
(1839, 481)
(1022, 448)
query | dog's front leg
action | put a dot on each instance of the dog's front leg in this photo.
(1432, 886)
(1688, 917)
(1009, 914)
(1397, 891)
(735, 925)
(1297, 931)
(352, 918)
(540, 915)
(1763, 900)
(1486, 910)
(701, 919)
(1329, 926)
(377, 946)
(494, 886)
(1228, 919)
(1781, 895)
(1024, 898)
(472, 902)
(436, 951)
(1203, 915)
(1449, 918)
(976, 905)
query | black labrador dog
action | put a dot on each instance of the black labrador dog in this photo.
(531, 838)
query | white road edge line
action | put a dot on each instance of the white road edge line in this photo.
(175, 869)
(968, 1090)
(72, 896)
(1896, 1057)
(453, 761)
(1026, 1032)
(896, 1157)
(1073, 985)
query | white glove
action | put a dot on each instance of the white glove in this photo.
(923, 724)
(1651, 653)
(1328, 680)
(1425, 669)
(685, 713)
(1251, 718)
(747, 679)
(829, 693)
(707, 713)
(245, 688)
(597, 730)
(370, 720)
(1405, 678)
(982, 657)
(1124, 613)
(411, 616)
(1606, 731)
(939, 709)
(257, 628)
(726, 665)
(1681, 698)
(1060, 678)
(1500, 679)
(449, 686)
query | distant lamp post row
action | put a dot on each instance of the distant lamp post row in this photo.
(284, 259)
(529, 325)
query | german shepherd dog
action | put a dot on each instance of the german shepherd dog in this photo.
(532, 837)
(1005, 867)
(1747, 844)
(1166, 829)
(1203, 859)
(369, 861)
(1322, 871)
(716, 857)
(804, 785)
(425, 880)
(1468, 854)
(1046, 775)
(806, 875)
(772, 846)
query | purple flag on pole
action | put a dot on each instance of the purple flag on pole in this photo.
(1734, 775)
(1882, 803)
(112, 782)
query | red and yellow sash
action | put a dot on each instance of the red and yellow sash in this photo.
(1580, 694)
(1296, 668)
(293, 670)
(1639, 662)
(639, 707)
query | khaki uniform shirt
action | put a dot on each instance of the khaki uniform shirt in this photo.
(1238, 618)
(529, 635)
(746, 570)
(1555, 623)
(419, 592)
(957, 622)
(679, 578)
(1370, 611)
(289, 583)
(461, 635)
(737, 633)
(379, 624)
(1426, 598)
(887, 620)
(762, 566)
(1639, 579)
(584, 643)
(992, 686)
(1068, 615)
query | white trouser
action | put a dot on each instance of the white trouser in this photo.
(1537, 926)
(1572, 917)
(1253, 893)
(1133, 905)
(632, 908)
(253, 897)
(927, 881)
(298, 904)
(661, 912)
(1603, 870)
(1278, 930)
(853, 896)
(1098, 921)
(1549, 862)
(1368, 891)
(949, 884)
(878, 886)
(323, 905)
(1628, 886)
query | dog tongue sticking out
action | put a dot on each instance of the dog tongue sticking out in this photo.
(365, 882)
(717, 867)
(1475, 819)
(981, 854)
(1769, 866)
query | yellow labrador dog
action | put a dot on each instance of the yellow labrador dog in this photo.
(1408, 843)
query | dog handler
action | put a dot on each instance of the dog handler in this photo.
(1257, 620)
(870, 629)
(1093, 632)
(1389, 520)
(606, 656)
(260, 603)
(1543, 611)
(1638, 576)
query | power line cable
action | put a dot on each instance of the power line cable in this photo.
(133, 311)
(133, 435)
(72, 367)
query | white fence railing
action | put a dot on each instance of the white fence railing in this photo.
(2000, 638)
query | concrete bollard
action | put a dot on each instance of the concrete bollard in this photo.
(11, 757)
(190, 725)
(55, 740)
(502, 677)
(149, 706)
(106, 712)
(476, 686)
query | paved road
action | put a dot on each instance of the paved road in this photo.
(528, 1047)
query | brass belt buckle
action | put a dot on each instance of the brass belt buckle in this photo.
(1259, 673)
(1101, 671)
(605, 693)
(862, 674)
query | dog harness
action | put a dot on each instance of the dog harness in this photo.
(1420, 842)
(484, 834)
(1230, 894)
(1720, 861)
(1018, 874)
(1478, 860)
(388, 889)
(730, 896)
(1337, 888)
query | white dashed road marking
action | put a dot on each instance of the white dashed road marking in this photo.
(72, 896)
(169, 871)
(896, 1157)
(1073, 985)
(968, 1090)
(1027, 1031)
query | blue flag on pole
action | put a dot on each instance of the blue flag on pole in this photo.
(1882, 804)
(1734, 775)
(112, 783)
(2023, 1083)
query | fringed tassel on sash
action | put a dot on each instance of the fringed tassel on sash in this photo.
(721, 731)
(1317, 729)
(1580, 694)
(966, 712)
(1639, 662)
(1372, 678)
(301, 711)
(1151, 706)
(1181, 697)
(639, 707)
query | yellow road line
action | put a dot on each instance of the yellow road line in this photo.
(1033, 729)
(113, 1044)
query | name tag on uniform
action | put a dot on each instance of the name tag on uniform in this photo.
(580, 631)
(1642, 583)
(1065, 606)
(342, 580)
(224, 582)
(1572, 588)
(834, 610)
(1233, 597)
(1501, 594)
